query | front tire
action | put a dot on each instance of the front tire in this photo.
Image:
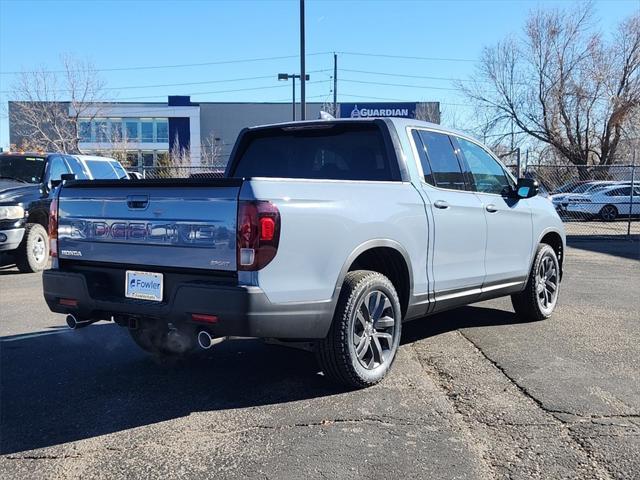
(32, 254)
(365, 334)
(538, 300)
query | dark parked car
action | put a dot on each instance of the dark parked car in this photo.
(26, 181)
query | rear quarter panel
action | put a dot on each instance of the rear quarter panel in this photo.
(324, 221)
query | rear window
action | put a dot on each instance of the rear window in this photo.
(332, 152)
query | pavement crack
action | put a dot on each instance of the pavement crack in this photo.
(386, 421)
(581, 444)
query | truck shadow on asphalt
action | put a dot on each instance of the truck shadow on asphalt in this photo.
(70, 386)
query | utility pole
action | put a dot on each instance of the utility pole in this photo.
(303, 104)
(335, 85)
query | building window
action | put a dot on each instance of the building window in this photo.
(133, 159)
(147, 159)
(162, 130)
(84, 130)
(147, 130)
(101, 131)
(116, 130)
(131, 129)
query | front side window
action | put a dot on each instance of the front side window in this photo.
(445, 167)
(488, 175)
(57, 168)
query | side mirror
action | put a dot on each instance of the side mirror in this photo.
(526, 188)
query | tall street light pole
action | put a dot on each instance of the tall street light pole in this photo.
(303, 104)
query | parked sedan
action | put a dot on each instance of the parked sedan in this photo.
(607, 203)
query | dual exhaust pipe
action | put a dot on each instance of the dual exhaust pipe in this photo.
(205, 340)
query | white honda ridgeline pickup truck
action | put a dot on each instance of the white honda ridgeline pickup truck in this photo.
(333, 232)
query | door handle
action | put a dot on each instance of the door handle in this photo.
(441, 204)
(491, 208)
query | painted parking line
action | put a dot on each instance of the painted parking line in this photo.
(24, 336)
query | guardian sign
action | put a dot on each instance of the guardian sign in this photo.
(366, 110)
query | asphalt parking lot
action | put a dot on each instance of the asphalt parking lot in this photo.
(473, 394)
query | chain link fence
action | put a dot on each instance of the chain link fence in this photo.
(592, 201)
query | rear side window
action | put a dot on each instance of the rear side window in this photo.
(441, 156)
(333, 152)
(101, 169)
(424, 159)
(620, 192)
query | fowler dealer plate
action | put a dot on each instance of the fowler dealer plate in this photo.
(143, 285)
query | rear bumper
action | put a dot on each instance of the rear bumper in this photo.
(10, 239)
(241, 310)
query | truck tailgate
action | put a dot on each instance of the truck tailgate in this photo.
(171, 223)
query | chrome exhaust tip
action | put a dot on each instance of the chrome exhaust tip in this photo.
(205, 341)
(73, 323)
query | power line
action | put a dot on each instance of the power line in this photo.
(135, 87)
(182, 65)
(406, 57)
(398, 85)
(425, 77)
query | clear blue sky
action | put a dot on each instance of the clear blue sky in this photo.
(126, 33)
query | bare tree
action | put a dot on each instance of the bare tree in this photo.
(211, 150)
(48, 104)
(428, 111)
(563, 84)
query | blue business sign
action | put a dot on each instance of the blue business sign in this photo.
(364, 110)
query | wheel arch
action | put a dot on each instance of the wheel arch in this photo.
(384, 256)
(556, 241)
(39, 216)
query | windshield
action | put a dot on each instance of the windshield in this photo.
(23, 168)
(104, 169)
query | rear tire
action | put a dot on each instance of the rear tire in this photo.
(32, 254)
(538, 300)
(365, 334)
(608, 213)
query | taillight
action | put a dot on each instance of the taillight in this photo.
(258, 234)
(53, 228)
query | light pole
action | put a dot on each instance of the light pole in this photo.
(303, 98)
(292, 76)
